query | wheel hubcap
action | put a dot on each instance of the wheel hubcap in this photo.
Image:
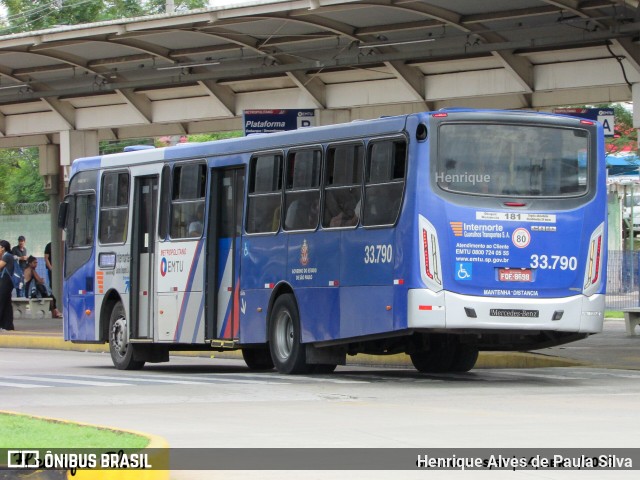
(119, 337)
(284, 335)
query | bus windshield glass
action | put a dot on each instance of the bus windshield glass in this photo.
(512, 160)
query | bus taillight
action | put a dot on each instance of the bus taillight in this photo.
(425, 244)
(597, 275)
(592, 273)
(429, 255)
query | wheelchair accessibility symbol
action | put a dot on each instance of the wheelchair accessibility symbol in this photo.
(464, 270)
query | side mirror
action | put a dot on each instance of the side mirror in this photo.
(62, 215)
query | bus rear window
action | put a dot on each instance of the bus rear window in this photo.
(512, 160)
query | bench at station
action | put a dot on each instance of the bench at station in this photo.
(631, 319)
(31, 307)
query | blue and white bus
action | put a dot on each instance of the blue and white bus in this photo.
(437, 234)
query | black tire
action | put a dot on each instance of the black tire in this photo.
(438, 359)
(465, 358)
(257, 358)
(324, 368)
(121, 350)
(288, 354)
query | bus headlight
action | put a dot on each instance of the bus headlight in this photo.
(429, 255)
(593, 270)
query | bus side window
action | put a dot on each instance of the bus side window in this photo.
(264, 194)
(165, 203)
(187, 205)
(114, 207)
(384, 181)
(302, 193)
(343, 186)
(84, 217)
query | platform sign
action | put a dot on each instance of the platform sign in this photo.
(603, 115)
(269, 121)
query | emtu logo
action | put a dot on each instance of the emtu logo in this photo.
(457, 228)
(163, 266)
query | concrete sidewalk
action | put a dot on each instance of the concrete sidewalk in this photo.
(612, 348)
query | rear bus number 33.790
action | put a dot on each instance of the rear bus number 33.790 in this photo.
(553, 262)
(378, 253)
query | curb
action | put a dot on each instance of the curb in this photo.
(156, 444)
(485, 359)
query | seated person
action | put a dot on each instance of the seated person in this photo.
(347, 217)
(302, 214)
(36, 288)
(196, 227)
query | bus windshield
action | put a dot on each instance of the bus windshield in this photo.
(512, 160)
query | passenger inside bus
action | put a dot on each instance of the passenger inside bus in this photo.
(347, 215)
(302, 213)
(196, 227)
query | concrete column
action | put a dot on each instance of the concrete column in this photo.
(55, 163)
(75, 144)
(49, 169)
(635, 97)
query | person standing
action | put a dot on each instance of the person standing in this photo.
(48, 260)
(6, 286)
(20, 254)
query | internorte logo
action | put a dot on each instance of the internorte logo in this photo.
(461, 229)
(457, 228)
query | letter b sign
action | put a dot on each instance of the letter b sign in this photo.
(306, 122)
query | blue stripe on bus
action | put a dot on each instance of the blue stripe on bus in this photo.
(187, 293)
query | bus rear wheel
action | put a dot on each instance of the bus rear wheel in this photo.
(119, 346)
(445, 354)
(323, 368)
(287, 352)
(438, 359)
(257, 358)
(465, 358)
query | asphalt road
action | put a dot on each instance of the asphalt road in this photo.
(199, 402)
(213, 403)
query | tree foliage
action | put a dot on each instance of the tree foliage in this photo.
(31, 15)
(625, 137)
(20, 180)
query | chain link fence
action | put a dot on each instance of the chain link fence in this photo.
(24, 208)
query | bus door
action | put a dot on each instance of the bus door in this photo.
(143, 243)
(226, 204)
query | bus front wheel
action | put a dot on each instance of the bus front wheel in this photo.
(288, 354)
(119, 346)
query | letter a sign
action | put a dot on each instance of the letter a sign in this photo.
(607, 119)
(603, 115)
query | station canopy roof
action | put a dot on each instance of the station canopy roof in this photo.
(180, 70)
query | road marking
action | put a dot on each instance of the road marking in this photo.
(23, 385)
(72, 382)
(128, 378)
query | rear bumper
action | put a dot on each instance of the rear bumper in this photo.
(580, 314)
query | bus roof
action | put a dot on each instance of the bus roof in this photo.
(274, 141)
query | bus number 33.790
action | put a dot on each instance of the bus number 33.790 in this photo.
(437, 234)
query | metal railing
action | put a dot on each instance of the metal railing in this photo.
(623, 279)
